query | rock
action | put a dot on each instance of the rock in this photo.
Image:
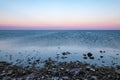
(74, 71)
(103, 51)
(101, 56)
(85, 57)
(66, 53)
(88, 68)
(61, 68)
(98, 59)
(55, 78)
(103, 61)
(3, 63)
(117, 54)
(118, 67)
(92, 69)
(94, 78)
(31, 76)
(6, 78)
(92, 57)
(89, 54)
(10, 72)
(117, 71)
(65, 78)
(63, 57)
(100, 51)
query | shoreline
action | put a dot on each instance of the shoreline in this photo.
(54, 70)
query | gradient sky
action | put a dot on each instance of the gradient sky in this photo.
(60, 14)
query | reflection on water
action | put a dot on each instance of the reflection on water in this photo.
(18, 46)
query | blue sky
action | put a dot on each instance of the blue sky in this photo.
(57, 13)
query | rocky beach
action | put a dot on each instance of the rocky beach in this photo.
(57, 70)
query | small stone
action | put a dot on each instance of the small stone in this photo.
(88, 68)
(6, 78)
(92, 69)
(117, 54)
(62, 68)
(94, 78)
(101, 56)
(63, 57)
(65, 78)
(74, 71)
(92, 57)
(55, 78)
(98, 59)
(66, 53)
(103, 61)
(84, 57)
(89, 54)
(103, 51)
(117, 71)
(100, 51)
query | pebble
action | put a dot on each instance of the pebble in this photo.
(101, 56)
(66, 53)
(89, 54)
(94, 78)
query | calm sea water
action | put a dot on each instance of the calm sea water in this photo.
(41, 44)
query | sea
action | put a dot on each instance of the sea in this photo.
(17, 46)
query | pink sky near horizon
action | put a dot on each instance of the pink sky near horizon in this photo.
(66, 25)
(60, 14)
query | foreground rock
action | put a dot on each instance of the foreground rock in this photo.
(59, 71)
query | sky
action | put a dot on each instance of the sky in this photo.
(60, 14)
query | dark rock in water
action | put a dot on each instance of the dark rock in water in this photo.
(117, 54)
(103, 51)
(38, 61)
(63, 57)
(100, 51)
(101, 56)
(89, 54)
(92, 57)
(66, 53)
(98, 59)
(84, 57)
(103, 61)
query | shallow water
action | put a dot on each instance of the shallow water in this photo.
(42, 44)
